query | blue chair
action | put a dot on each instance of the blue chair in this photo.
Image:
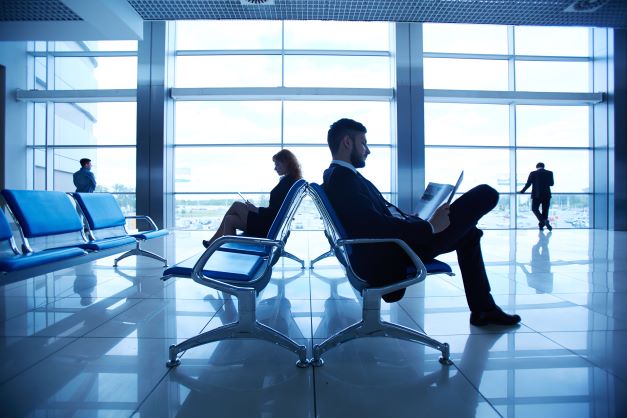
(107, 225)
(241, 266)
(31, 263)
(242, 275)
(51, 233)
(290, 204)
(279, 230)
(371, 324)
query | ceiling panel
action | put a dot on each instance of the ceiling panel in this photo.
(602, 13)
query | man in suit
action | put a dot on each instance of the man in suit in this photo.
(84, 179)
(540, 181)
(364, 213)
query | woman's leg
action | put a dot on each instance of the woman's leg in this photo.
(234, 219)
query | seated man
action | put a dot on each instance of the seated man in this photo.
(366, 214)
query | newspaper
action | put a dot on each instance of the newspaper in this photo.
(434, 196)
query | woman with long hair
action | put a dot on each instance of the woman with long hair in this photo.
(256, 221)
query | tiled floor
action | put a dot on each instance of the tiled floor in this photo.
(92, 341)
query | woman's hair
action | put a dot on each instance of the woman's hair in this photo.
(292, 165)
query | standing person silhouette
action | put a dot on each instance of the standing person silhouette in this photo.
(84, 179)
(540, 181)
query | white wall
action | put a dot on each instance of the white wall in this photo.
(13, 56)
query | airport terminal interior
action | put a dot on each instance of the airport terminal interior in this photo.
(181, 106)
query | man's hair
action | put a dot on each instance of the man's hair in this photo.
(84, 161)
(540, 165)
(340, 129)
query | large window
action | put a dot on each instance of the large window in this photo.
(87, 122)
(245, 90)
(543, 115)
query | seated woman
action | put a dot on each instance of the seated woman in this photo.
(256, 221)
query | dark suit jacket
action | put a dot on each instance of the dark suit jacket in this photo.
(258, 224)
(540, 181)
(364, 213)
(84, 180)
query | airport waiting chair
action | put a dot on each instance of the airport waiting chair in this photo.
(371, 324)
(241, 267)
(106, 222)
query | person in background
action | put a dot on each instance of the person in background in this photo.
(540, 181)
(84, 179)
(256, 221)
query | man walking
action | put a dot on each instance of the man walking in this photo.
(84, 179)
(540, 181)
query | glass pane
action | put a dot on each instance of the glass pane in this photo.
(499, 217)
(39, 170)
(466, 124)
(465, 74)
(95, 123)
(39, 128)
(467, 39)
(309, 122)
(114, 168)
(225, 169)
(333, 71)
(205, 211)
(552, 76)
(553, 126)
(378, 165)
(373, 36)
(41, 73)
(552, 41)
(571, 168)
(227, 122)
(75, 73)
(481, 166)
(228, 71)
(566, 211)
(70, 46)
(228, 34)
(128, 203)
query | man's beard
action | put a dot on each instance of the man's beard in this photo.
(357, 160)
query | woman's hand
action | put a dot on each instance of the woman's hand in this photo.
(251, 207)
(440, 218)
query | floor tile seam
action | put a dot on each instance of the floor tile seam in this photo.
(55, 324)
(111, 319)
(486, 399)
(71, 340)
(586, 359)
(154, 388)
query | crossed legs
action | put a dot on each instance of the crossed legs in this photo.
(464, 237)
(235, 218)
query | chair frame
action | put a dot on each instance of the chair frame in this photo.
(138, 251)
(247, 326)
(371, 324)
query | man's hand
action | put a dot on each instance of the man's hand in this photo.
(440, 220)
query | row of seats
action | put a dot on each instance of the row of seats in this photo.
(242, 267)
(58, 230)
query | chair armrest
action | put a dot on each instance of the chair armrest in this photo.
(421, 271)
(146, 218)
(197, 271)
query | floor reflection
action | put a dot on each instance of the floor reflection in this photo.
(93, 340)
(539, 275)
